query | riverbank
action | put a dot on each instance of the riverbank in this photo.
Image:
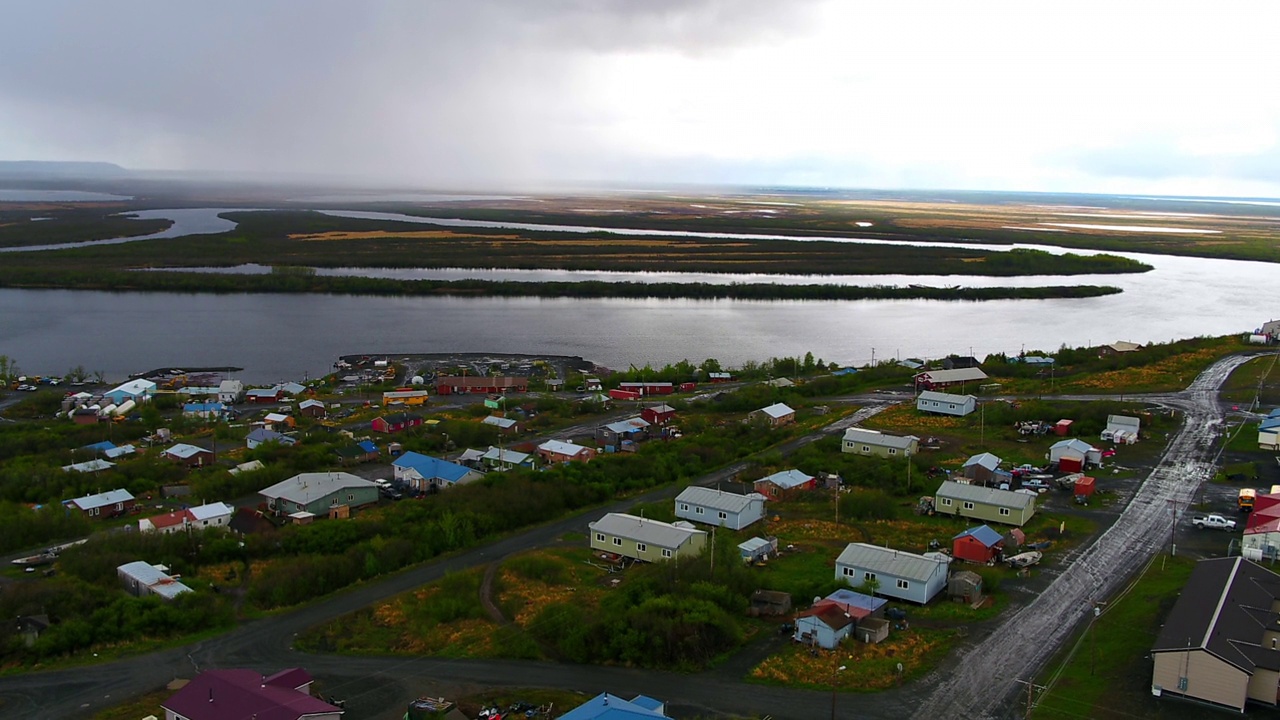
(294, 282)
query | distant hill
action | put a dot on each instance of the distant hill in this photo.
(38, 169)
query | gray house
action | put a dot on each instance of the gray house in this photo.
(1010, 507)
(946, 403)
(861, 441)
(317, 492)
(644, 539)
(895, 573)
(716, 507)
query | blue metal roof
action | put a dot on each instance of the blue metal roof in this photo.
(367, 446)
(100, 446)
(982, 534)
(611, 707)
(857, 599)
(430, 467)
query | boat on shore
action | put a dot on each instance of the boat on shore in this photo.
(43, 558)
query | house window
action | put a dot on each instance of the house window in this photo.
(893, 451)
(350, 498)
(904, 585)
(641, 547)
(848, 572)
(698, 511)
(968, 506)
(866, 448)
(1004, 512)
(868, 577)
(666, 553)
(952, 406)
(94, 511)
(946, 502)
(599, 537)
(684, 506)
(617, 541)
(723, 515)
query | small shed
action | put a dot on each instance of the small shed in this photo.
(1085, 486)
(1015, 538)
(965, 586)
(979, 544)
(770, 602)
(757, 549)
(1063, 427)
(872, 630)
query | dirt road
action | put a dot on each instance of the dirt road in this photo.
(984, 683)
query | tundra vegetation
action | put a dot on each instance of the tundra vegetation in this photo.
(293, 564)
(294, 242)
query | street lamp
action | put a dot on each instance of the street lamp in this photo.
(834, 674)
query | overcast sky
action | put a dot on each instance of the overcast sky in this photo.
(1162, 97)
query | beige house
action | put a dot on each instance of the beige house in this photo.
(861, 441)
(644, 539)
(1219, 643)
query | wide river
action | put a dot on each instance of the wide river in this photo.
(277, 337)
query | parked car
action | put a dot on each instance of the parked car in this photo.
(1215, 521)
(1036, 484)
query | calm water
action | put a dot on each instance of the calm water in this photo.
(282, 336)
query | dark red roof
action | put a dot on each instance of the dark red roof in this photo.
(831, 613)
(234, 694)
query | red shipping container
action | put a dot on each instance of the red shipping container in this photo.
(1085, 486)
(688, 387)
(624, 395)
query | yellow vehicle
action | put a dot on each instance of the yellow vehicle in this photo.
(1244, 501)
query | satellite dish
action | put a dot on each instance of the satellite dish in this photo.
(416, 380)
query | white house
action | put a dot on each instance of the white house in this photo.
(893, 573)
(230, 392)
(141, 579)
(945, 403)
(717, 507)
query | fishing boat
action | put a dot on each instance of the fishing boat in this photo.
(1026, 559)
(43, 558)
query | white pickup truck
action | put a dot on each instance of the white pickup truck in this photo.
(1213, 521)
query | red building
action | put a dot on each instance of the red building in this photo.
(980, 545)
(658, 414)
(396, 422)
(494, 385)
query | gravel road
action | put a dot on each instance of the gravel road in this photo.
(988, 681)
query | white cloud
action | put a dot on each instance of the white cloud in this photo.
(994, 95)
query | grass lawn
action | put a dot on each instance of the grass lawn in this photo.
(1107, 673)
(869, 668)
(1256, 379)
(138, 707)
(1170, 374)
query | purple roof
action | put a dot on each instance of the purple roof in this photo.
(222, 694)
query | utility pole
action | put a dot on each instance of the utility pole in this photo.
(1031, 688)
(1173, 527)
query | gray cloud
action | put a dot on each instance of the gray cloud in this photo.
(465, 92)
